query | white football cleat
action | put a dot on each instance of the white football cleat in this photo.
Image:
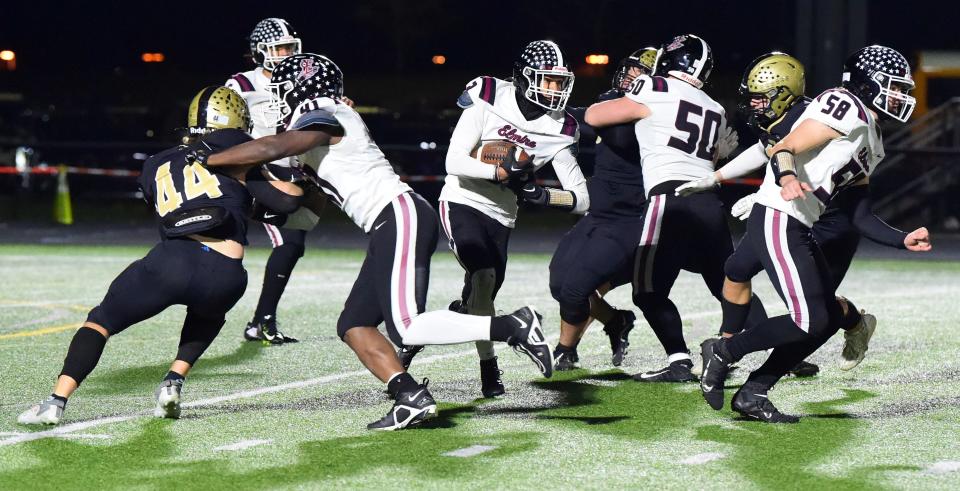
(857, 341)
(47, 412)
(168, 399)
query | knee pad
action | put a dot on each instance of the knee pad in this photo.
(574, 305)
(483, 282)
(197, 335)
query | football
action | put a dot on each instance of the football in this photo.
(494, 152)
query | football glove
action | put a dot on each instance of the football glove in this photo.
(198, 156)
(727, 142)
(700, 185)
(534, 193)
(518, 172)
(741, 209)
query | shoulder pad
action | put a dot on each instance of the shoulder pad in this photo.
(838, 109)
(243, 82)
(645, 87)
(482, 89)
(318, 111)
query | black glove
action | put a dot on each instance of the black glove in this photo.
(518, 172)
(198, 156)
(534, 193)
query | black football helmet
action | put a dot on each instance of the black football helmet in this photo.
(644, 59)
(299, 78)
(267, 36)
(880, 76)
(541, 59)
(687, 57)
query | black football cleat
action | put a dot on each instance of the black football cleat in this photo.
(618, 331)
(804, 369)
(490, 383)
(565, 359)
(752, 402)
(678, 371)
(457, 306)
(528, 338)
(714, 374)
(406, 354)
(266, 331)
(409, 409)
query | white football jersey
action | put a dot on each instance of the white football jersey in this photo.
(491, 114)
(252, 86)
(353, 173)
(677, 140)
(838, 164)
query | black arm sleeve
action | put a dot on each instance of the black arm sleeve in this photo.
(870, 225)
(268, 196)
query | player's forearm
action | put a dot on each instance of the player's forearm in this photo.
(871, 226)
(253, 152)
(745, 163)
(459, 163)
(809, 135)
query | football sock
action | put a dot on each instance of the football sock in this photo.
(774, 332)
(400, 383)
(485, 350)
(62, 399)
(83, 354)
(171, 375)
(852, 318)
(564, 349)
(757, 314)
(784, 358)
(280, 265)
(734, 316)
(502, 328)
(446, 327)
(664, 319)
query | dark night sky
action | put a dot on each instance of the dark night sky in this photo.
(398, 37)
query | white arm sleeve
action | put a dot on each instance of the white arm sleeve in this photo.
(571, 178)
(464, 139)
(748, 161)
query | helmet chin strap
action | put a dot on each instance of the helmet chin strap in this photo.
(529, 110)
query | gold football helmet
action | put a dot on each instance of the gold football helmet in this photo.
(216, 108)
(644, 59)
(777, 77)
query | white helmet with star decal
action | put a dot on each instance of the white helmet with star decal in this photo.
(271, 41)
(543, 76)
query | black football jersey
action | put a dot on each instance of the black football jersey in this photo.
(780, 130)
(173, 185)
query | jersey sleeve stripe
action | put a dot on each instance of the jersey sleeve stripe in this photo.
(659, 84)
(488, 91)
(569, 125)
(245, 84)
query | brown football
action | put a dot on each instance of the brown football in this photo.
(495, 152)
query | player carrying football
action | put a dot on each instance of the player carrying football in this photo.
(834, 144)
(198, 262)
(329, 137)
(679, 129)
(478, 203)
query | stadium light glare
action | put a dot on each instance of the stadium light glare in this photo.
(7, 55)
(597, 59)
(439, 59)
(152, 57)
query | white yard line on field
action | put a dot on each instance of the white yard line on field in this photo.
(242, 445)
(702, 458)
(469, 451)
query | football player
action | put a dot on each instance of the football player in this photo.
(772, 92)
(833, 145)
(679, 129)
(271, 41)
(198, 262)
(602, 244)
(331, 138)
(478, 203)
